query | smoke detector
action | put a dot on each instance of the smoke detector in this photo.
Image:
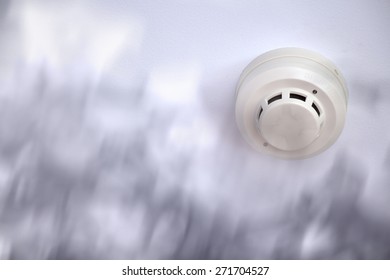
(291, 103)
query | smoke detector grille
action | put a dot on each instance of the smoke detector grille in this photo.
(306, 111)
(298, 96)
(273, 99)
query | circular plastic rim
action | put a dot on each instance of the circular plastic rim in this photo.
(283, 71)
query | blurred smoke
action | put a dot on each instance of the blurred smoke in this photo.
(98, 164)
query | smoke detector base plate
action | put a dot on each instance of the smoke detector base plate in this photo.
(291, 103)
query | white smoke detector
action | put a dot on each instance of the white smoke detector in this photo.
(291, 103)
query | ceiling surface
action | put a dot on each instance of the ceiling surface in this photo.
(118, 136)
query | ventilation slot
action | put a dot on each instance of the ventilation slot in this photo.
(261, 111)
(316, 108)
(298, 96)
(273, 99)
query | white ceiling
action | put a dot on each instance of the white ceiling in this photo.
(208, 43)
(161, 75)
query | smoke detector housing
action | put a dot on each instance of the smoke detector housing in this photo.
(291, 103)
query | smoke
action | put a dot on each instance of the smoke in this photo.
(100, 159)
